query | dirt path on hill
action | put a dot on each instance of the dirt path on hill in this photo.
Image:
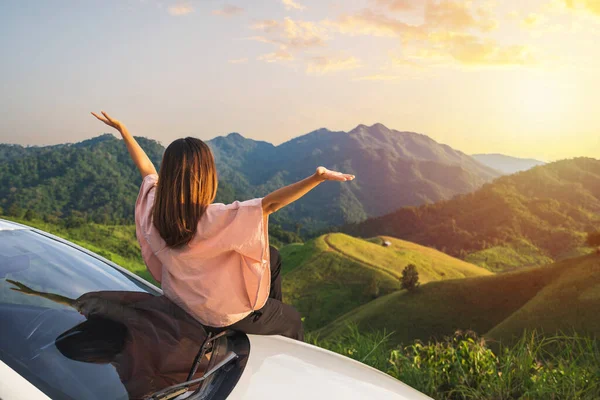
(374, 266)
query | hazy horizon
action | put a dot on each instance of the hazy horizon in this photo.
(515, 78)
(165, 144)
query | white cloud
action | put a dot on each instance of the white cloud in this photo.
(323, 65)
(451, 31)
(289, 36)
(228, 11)
(279, 55)
(180, 10)
(292, 5)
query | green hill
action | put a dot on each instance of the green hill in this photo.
(96, 179)
(570, 303)
(333, 274)
(561, 296)
(526, 219)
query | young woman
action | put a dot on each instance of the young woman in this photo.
(213, 260)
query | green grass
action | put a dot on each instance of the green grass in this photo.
(512, 256)
(570, 302)
(296, 254)
(463, 366)
(328, 284)
(432, 265)
(336, 273)
(563, 296)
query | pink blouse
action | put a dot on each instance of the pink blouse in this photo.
(223, 273)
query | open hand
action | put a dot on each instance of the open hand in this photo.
(22, 288)
(109, 121)
(328, 175)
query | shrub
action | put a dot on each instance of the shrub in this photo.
(462, 361)
(536, 367)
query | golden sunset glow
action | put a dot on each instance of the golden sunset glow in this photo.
(515, 77)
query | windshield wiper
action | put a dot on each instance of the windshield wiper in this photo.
(175, 390)
(203, 350)
(180, 388)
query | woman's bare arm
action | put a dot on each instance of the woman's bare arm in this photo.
(288, 194)
(139, 157)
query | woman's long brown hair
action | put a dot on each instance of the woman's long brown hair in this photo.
(187, 184)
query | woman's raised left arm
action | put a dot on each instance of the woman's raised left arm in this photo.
(139, 157)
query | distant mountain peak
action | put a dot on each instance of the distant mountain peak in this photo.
(237, 140)
(376, 125)
(235, 136)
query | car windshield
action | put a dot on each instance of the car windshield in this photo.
(77, 328)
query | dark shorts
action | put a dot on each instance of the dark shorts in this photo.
(275, 317)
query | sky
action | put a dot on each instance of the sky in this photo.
(519, 77)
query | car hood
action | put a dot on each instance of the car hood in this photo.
(279, 367)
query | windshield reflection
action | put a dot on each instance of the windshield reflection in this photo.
(149, 340)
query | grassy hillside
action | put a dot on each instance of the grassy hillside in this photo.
(564, 295)
(336, 273)
(324, 284)
(524, 219)
(571, 302)
(431, 264)
(510, 256)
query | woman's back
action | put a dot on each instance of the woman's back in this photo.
(221, 275)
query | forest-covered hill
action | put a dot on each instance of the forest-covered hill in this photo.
(95, 179)
(529, 218)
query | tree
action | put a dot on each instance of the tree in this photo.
(410, 278)
(593, 239)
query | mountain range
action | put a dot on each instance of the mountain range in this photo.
(507, 164)
(393, 169)
(529, 218)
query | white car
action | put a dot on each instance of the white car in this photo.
(74, 325)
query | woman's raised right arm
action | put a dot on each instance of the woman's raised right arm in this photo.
(139, 157)
(288, 194)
